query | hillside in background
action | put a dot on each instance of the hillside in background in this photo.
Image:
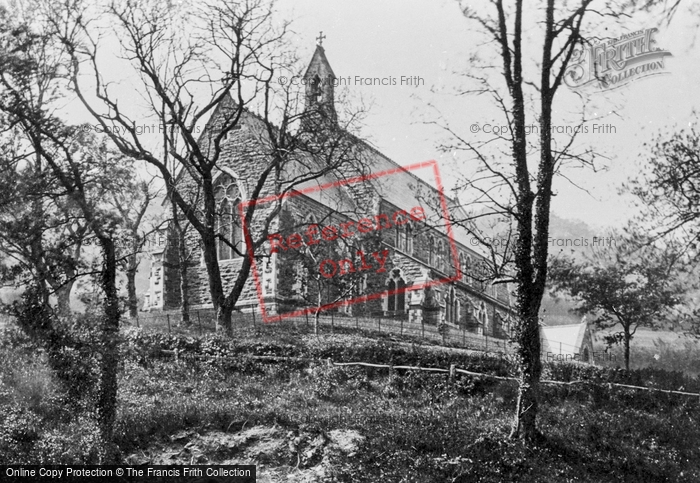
(571, 238)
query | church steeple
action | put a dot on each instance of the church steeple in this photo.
(320, 80)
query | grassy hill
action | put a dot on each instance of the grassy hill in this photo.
(308, 421)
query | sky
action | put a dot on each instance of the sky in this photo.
(432, 39)
(431, 45)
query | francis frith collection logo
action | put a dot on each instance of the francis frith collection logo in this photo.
(617, 62)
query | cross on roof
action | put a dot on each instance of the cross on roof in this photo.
(319, 39)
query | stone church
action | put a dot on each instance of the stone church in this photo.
(398, 257)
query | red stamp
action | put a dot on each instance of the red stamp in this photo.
(327, 255)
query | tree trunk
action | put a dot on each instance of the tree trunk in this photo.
(525, 424)
(223, 320)
(236, 291)
(63, 298)
(182, 261)
(109, 362)
(131, 292)
(627, 349)
(319, 302)
(184, 283)
(216, 289)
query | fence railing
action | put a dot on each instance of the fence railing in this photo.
(204, 321)
(453, 369)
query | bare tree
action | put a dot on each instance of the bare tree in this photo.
(131, 200)
(81, 168)
(514, 182)
(668, 188)
(225, 63)
(41, 236)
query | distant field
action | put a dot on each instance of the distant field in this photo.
(648, 338)
(660, 349)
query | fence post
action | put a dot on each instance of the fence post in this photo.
(379, 323)
(422, 325)
(168, 317)
(464, 336)
(199, 321)
(137, 321)
(452, 374)
(332, 324)
(357, 322)
(401, 325)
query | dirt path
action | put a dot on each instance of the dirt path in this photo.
(279, 455)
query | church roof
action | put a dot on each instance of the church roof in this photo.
(401, 189)
(319, 58)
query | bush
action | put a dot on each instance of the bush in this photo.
(20, 428)
(76, 443)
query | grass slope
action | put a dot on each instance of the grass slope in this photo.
(415, 427)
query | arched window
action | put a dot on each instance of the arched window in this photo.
(409, 238)
(391, 299)
(401, 295)
(401, 237)
(396, 302)
(223, 229)
(482, 320)
(431, 251)
(316, 88)
(228, 227)
(467, 268)
(451, 307)
(440, 256)
(471, 321)
(498, 325)
(484, 270)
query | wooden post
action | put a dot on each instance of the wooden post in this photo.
(401, 325)
(137, 321)
(332, 324)
(422, 325)
(253, 317)
(379, 323)
(464, 336)
(357, 322)
(199, 321)
(168, 317)
(452, 374)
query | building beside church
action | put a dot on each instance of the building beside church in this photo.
(569, 342)
(412, 247)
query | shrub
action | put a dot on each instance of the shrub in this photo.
(76, 443)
